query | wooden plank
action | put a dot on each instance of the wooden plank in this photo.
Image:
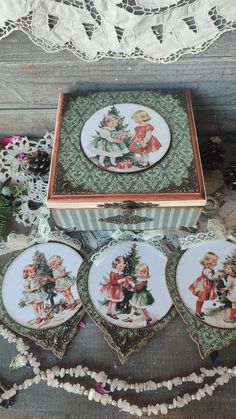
(17, 93)
(36, 122)
(29, 122)
(31, 79)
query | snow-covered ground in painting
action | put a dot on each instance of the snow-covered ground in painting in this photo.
(58, 318)
(216, 317)
(138, 320)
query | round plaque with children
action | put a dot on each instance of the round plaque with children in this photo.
(123, 288)
(125, 138)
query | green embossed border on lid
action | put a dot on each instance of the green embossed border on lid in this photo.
(175, 172)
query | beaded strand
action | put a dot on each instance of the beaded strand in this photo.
(52, 378)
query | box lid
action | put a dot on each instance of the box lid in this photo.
(136, 146)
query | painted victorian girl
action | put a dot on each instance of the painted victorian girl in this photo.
(109, 141)
(142, 297)
(204, 287)
(33, 293)
(144, 142)
(230, 286)
(63, 280)
(113, 290)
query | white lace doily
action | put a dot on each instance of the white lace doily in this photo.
(160, 31)
(35, 187)
(216, 230)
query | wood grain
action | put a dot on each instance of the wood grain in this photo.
(31, 79)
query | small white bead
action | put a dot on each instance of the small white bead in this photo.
(97, 397)
(126, 406)
(136, 387)
(177, 381)
(114, 384)
(91, 394)
(104, 399)
(133, 409)
(81, 390)
(169, 385)
(163, 409)
(120, 385)
(55, 383)
(78, 371)
(180, 401)
(37, 379)
(187, 397)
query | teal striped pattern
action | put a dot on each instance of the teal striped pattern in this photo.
(88, 219)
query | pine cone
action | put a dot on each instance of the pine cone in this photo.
(212, 155)
(230, 176)
(38, 163)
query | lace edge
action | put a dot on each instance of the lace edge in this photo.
(175, 56)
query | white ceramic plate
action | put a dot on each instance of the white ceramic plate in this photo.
(135, 122)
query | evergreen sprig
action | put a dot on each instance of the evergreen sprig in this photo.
(6, 210)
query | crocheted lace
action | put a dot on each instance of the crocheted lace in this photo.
(160, 31)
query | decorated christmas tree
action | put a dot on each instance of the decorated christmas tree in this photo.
(44, 272)
(222, 296)
(133, 259)
(122, 126)
(6, 210)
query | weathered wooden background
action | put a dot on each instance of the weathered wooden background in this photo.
(30, 80)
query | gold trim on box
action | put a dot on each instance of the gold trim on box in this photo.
(128, 204)
(128, 217)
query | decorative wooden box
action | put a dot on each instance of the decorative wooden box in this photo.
(127, 160)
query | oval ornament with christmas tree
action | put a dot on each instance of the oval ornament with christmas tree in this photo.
(202, 283)
(125, 138)
(124, 290)
(38, 294)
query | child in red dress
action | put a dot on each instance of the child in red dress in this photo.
(144, 142)
(113, 290)
(204, 287)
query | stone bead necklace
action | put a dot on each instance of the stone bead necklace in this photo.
(52, 378)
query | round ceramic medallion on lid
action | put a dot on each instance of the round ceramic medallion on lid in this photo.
(125, 138)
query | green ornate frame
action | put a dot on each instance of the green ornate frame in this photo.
(161, 177)
(125, 341)
(56, 338)
(208, 338)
